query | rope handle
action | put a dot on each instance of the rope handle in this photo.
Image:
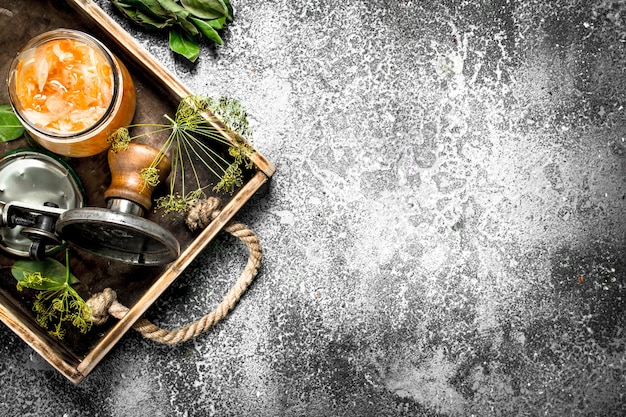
(105, 304)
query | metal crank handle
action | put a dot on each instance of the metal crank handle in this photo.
(38, 224)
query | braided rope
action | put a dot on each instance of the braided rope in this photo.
(105, 304)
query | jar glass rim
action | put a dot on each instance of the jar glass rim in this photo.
(59, 34)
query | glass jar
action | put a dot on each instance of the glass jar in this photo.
(70, 92)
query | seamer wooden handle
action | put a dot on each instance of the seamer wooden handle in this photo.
(126, 179)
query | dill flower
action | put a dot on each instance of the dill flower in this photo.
(57, 302)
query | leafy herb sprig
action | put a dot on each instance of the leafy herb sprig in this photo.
(189, 143)
(185, 20)
(10, 126)
(57, 302)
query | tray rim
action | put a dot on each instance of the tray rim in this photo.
(264, 170)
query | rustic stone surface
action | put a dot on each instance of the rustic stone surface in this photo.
(444, 235)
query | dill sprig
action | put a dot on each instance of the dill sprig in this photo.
(57, 302)
(189, 143)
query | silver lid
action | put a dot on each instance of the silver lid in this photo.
(33, 177)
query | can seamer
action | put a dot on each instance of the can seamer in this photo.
(42, 208)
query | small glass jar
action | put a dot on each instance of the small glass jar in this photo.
(70, 92)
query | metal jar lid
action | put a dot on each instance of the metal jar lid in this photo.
(34, 177)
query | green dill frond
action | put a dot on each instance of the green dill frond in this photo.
(185, 110)
(171, 203)
(30, 280)
(39, 307)
(85, 312)
(74, 303)
(235, 152)
(194, 196)
(81, 319)
(56, 302)
(150, 176)
(42, 296)
(119, 139)
(232, 113)
(81, 324)
(58, 332)
(42, 320)
(232, 178)
(176, 203)
(189, 114)
(242, 153)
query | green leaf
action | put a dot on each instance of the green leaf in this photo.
(148, 21)
(207, 9)
(217, 24)
(207, 30)
(174, 7)
(150, 7)
(10, 126)
(187, 26)
(146, 13)
(49, 268)
(185, 45)
(231, 14)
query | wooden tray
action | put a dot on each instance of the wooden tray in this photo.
(158, 92)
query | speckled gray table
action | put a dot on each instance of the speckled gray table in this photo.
(444, 235)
